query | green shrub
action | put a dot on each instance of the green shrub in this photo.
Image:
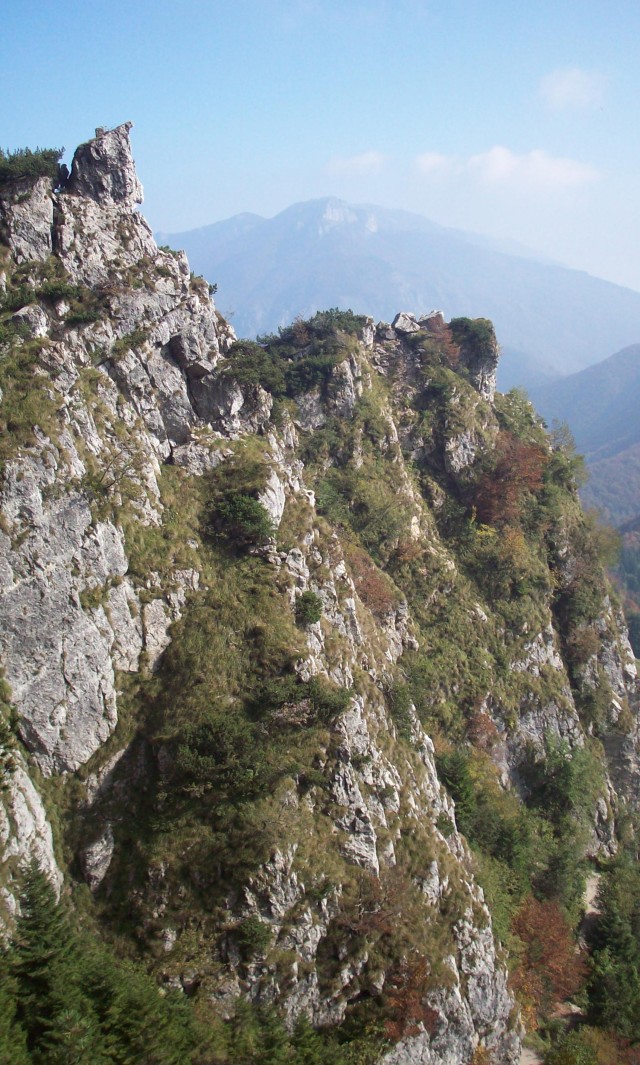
(476, 335)
(221, 754)
(80, 314)
(251, 364)
(58, 288)
(29, 163)
(127, 342)
(16, 297)
(308, 608)
(400, 702)
(614, 991)
(7, 735)
(253, 936)
(317, 699)
(240, 518)
(296, 359)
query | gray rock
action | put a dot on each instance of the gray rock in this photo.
(103, 169)
(405, 323)
(95, 858)
(25, 835)
(273, 498)
(26, 219)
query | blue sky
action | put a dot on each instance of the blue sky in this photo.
(517, 120)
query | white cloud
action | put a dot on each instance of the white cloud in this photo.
(355, 165)
(500, 167)
(535, 169)
(435, 163)
(573, 88)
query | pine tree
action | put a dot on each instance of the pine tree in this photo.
(13, 1039)
(57, 1017)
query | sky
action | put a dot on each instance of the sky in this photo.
(516, 120)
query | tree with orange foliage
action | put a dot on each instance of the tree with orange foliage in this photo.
(407, 1009)
(518, 469)
(550, 969)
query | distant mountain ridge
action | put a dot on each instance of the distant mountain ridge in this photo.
(324, 253)
(601, 405)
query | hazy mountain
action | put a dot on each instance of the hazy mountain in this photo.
(324, 253)
(600, 405)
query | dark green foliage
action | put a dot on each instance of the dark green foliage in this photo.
(614, 990)
(323, 325)
(59, 288)
(453, 770)
(317, 699)
(308, 608)
(521, 848)
(13, 1038)
(222, 754)
(68, 1001)
(566, 783)
(400, 707)
(83, 311)
(15, 297)
(253, 937)
(7, 734)
(241, 519)
(251, 364)
(29, 163)
(65, 1000)
(563, 790)
(257, 1036)
(296, 359)
(44, 964)
(571, 1049)
(475, 335)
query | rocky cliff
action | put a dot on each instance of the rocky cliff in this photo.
(245, 590)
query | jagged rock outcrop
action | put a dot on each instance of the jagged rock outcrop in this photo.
(149, 436)
(26, 220)
(103, 169)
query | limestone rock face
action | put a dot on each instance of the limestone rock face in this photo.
(70, 615)
(103, 169)
(56, 655)
(25, 834)
(26, 220)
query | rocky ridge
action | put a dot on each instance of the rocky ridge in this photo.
(142, 404)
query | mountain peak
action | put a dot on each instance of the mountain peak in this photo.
(103, 168)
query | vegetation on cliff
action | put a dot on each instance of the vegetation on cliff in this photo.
(316, 576)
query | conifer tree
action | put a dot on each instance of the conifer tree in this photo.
(13, 1040)
(57, 1017)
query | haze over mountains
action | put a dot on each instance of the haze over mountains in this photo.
(550, 320)
(601, 406)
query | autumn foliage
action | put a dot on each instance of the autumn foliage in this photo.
(407, 1009)
(481, 731)
(373, 587)
(550, 968)
(443, 338)
(518, 469)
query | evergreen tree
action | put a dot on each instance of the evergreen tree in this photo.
(42, 958)
(13, 1040)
